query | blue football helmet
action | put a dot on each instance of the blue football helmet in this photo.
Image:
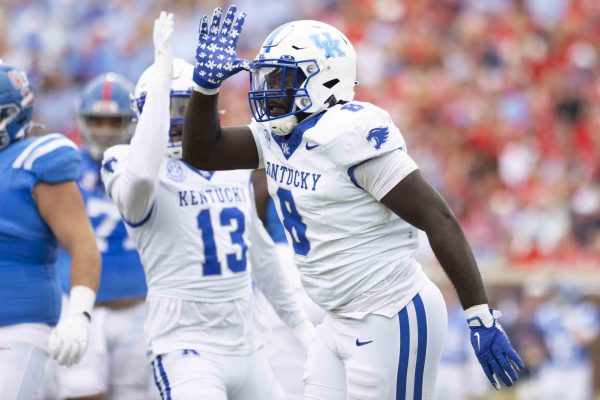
(16, 105)
(181, 91)
(302, 67)
(106, 116)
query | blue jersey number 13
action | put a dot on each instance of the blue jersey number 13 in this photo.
(228, 217)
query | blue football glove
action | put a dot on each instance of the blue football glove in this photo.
(494, 351)
(216, 58)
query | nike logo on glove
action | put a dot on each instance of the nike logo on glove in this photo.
(309, 147)
(476, 334)
(359, 343)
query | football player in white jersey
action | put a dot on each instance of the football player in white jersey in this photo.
(200, 246)
(351, 200)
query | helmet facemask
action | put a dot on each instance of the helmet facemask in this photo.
(101, 131)
(278, 92)
(16, 105)
(106, 117)
(177, 106)
(14, 122)
(181, 92)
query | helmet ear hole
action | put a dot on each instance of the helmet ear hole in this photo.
(331, 83)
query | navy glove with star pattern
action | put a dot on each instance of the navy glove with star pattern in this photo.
(216, 57)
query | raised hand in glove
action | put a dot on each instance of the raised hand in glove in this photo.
(163, 54)
(216, 57)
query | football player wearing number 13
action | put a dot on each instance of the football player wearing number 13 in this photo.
(199, 240)
(351, 200)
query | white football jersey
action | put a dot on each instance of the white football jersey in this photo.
(192, 212)
(354, 255)
(194, 247)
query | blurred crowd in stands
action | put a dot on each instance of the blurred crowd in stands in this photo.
(499, 100)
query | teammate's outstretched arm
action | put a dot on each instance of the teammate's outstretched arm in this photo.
(206, 145)
(426, 209)
(61, 206)
(132, 185)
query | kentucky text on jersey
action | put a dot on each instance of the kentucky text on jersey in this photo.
(211, 196)
(293, 177)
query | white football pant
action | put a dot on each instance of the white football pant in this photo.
(23, 355)
(379, 358)
(192, 375)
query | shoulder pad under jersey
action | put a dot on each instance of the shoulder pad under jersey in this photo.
(113, 163)
(51, 158)
(356, 132)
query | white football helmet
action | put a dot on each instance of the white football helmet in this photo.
(181, 91)
(302, 67)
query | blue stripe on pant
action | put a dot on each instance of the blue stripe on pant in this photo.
(156, 382)
(401, 383)
(163, 376)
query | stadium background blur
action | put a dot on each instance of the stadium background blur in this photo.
(499, 102)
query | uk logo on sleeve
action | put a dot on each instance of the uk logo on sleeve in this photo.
(108, 165)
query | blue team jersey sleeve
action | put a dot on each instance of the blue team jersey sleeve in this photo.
(61, 165)
(55, 161)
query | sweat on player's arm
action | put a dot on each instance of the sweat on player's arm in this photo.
(322, 150)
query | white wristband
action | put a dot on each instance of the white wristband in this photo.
(482, 311)
(208, 92)
(81, 300)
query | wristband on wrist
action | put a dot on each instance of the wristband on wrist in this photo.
(81, 301)
(208, 92)
(481, 311)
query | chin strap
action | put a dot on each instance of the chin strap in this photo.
(286, 125)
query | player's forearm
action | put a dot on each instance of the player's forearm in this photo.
(201, 129)
(454, 254)
(85, 264)
(149, 143)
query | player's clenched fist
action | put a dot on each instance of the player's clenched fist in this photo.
(216, 57)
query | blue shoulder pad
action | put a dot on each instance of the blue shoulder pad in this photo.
(52, 159)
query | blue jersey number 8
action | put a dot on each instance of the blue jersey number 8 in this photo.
(228, 217)
(292, 222)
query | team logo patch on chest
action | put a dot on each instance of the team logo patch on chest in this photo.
(175, 171)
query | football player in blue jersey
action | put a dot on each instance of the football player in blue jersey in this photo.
(351, 199)
(39, 207)
(115, 364)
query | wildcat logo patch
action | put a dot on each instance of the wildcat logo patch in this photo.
(378, 136)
